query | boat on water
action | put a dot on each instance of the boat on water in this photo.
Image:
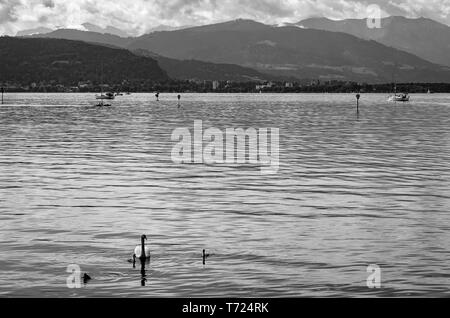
(399, 98)
(104, 96)
(103, 104)
(109, 96)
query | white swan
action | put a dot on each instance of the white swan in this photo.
(142, 252)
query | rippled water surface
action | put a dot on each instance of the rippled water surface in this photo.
(80, 184)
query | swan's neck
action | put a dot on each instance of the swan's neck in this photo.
(143, 248)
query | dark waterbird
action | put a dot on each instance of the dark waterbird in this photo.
(86, 278)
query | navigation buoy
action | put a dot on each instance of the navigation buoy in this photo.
(205, 256)
(358, 96)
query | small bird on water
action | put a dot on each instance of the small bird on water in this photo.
(86, 278)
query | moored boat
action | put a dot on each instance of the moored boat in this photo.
(103, 104)
(399, 98)
(105, 96)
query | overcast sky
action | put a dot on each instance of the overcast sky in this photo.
(139, 16)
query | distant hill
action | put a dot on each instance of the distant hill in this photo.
(176, 69)
(107, 30)
(425, 38)
(204, 71)
(66, 62)
(40, 30)
(89, 27)
(163, 27)
(293, 51)
(87, 36)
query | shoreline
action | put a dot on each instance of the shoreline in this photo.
(238, 93)
(237, 88)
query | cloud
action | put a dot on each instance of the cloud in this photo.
(434, 9)
(139, 16)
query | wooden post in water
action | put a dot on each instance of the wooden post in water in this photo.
(3, 91)
(358, 96)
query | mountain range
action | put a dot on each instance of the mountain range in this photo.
(87, 36)
(292, 51)
(423, 37)
(163, 27)
(311, 49)
(35, 31)
(176, 69)
(89, 27)
(107, 30)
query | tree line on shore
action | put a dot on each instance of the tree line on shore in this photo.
(186, 86)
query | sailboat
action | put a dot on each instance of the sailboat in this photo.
(102, 96)
(105, 96)
(398, 97)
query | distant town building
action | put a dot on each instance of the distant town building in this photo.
(314, 83)
(215, 85)
(85, 85)
(264, 86)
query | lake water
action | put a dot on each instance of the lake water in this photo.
(80, 185)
